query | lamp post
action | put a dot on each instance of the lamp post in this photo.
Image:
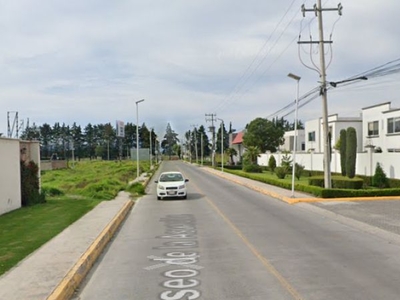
(222, 145)
(151, 151)
(297, 78)
(137, 137)
(201, 142)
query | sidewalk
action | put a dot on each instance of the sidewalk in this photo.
(56, 269)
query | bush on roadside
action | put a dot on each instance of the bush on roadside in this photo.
(298, 171)
(30, 190)
(272, 163)
(252, 168)
(380, 179)
(281, 172)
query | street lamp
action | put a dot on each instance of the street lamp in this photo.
(297, 78)
(151, 151)
(201, 142)
(137, 137)
(222, 144)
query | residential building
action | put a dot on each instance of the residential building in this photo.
(236, 142)
(381, 127)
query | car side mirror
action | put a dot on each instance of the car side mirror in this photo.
(186, 180)
(156, 181)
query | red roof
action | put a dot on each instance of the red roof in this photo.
(238, 138)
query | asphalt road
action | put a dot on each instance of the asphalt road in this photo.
(228, 242)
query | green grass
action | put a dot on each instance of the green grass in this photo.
(268, 175)
(70, 193)
(93, 179)
(24, 230)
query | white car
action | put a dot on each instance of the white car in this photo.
(171, 185)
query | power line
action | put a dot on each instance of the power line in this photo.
(240, 84)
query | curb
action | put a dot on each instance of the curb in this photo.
(77, 273)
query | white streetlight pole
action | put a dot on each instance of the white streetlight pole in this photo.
(151, 151)
(202, 149)
(137, 137)
(297, 78)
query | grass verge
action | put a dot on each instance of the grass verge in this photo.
(24, 230)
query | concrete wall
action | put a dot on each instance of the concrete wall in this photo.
(11, 152)
(10, 178)
(144, 154)
(53, 165)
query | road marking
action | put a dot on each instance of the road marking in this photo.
(292, 291)
(161, 265)
(253, 249)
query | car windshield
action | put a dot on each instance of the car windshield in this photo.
(171, 177)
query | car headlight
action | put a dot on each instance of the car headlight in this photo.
(161, 187)
(182, 186)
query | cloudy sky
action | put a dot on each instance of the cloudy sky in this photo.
(88, 61)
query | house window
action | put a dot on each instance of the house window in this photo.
(373, 128)
(393, 125)
(311, 136)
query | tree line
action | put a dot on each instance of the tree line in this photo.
(91, 141)
(101, 140)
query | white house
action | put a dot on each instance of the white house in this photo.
(289, 141)
(381, 127)
(236, 142)
(378, 127)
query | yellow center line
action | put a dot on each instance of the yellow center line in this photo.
(254, 250)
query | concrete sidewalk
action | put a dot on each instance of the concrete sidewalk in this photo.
(55, 270)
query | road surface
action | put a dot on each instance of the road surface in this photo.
(229, 242)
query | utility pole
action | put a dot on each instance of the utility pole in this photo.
(323, 90)
(10, 129)
(212, 118)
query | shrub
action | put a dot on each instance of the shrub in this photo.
(30, 192)
(343, 151)
(272, 163)
(252, 168)
(298, 171)
(316, 181)
(380, 179)
(346, 183)
(286, 162)
(351, 152)
(281, 172)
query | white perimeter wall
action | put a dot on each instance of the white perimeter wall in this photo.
(365, 164)
(10, 178)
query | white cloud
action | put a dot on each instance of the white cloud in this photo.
(88, 61)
